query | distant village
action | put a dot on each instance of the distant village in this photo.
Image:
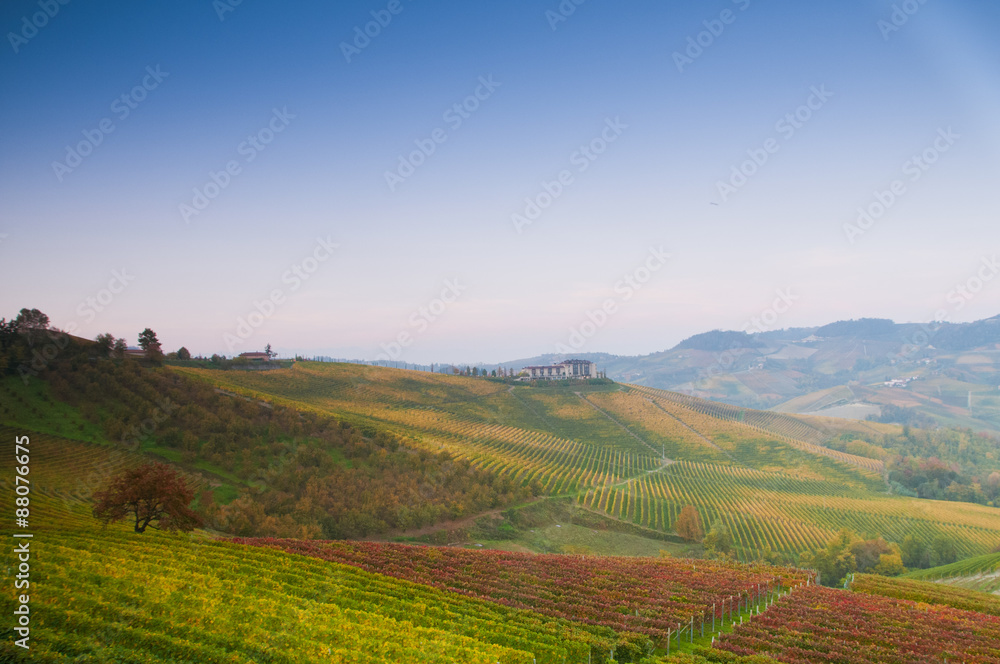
(565, 370)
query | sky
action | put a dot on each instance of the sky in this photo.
(483, 181)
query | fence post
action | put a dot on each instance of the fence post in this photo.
(713, 618)
(668, 642)
(692, 630)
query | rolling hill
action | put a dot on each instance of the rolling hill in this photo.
(633, 453)
(110, 595)
(416, 454)
(837, 370)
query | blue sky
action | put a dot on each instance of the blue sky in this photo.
(621, 133)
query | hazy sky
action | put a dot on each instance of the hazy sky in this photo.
(495, 179)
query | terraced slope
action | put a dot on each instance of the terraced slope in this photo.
(980, 573)
(927, 592)
(635, 453)
(474, 419)
(786, 513)
(647, 596)
(816, 625)
(109, 595)
(788, 429)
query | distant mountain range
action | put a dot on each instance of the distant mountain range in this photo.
(944, 373)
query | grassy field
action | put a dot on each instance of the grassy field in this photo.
(635, 454)
(109, 595)
(106, 594)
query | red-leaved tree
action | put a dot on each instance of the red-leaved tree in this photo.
(153, 492)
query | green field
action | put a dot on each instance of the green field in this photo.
(614, 465)
(635, 454)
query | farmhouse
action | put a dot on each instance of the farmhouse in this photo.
(562, 371)
(256, 356)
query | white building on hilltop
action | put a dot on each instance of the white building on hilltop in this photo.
(562, 371)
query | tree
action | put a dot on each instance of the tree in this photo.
(943, 550)
(8, 333)
(30, 321)
(868, 553)
(153, 492)
(889, 564)
(718, 538)
(149, 343)
(183, 353)
(105, 343)
(119, 349)
(688, 524)
(267, 351)
(912, 551)
(835, 561)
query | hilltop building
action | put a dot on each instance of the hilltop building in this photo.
(256, 356)
(562, 371)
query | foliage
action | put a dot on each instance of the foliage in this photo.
(718, 340)
(891, 414)
(688, 524)
(938, 464)
(148, 493)
(149, 343)
(863, 327)
(927, 593)
(846, 553)
(718, 539)
(816, 625)
(702, 655)
(917, 552)
(635, 596)
(300, 474)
